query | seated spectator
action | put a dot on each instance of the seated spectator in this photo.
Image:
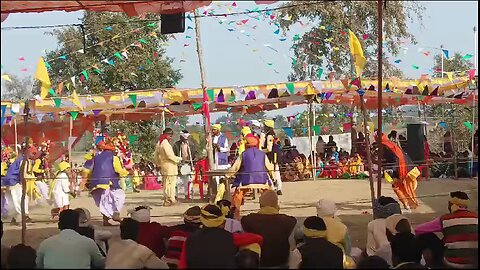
(460, 231)
(278, 240)
(337, 232)
(394, 224)
(85, 228)
(406, 253)
(232, 225)
(179, 234)
(342, 170)
(432, 250)
(317, 252)
(128, 254)
(373, 262)
(376, 236)
(355, 165)
(151, 234)
(21, 257)
(247, 259)
(69, 249)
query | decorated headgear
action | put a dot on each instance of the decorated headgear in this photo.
(217, 127)
(141, 213)
(314, 227)
(184, 134)
(211, 216)
(246, 130)
(269, 123)
(62, 166)
(251, 141)
(109, 145)
(192, 215)
(459, 200)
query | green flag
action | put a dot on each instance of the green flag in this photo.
(133, 98)
(211, 94)
(316, 129)
(291, 88)
(196, 106)
(58, 102)
(74, 115)
(132, 139)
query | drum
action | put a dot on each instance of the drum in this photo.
(186, 169)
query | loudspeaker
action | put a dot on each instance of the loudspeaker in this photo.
(415, 142)
(172, 23)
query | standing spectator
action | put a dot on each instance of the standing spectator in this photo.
(330, 144)
(320, 147)
(406, 253)
(278, 240)
(69, 249)
(317, 252)
(167, 161)
(426, 156)
(460, 231)
(402, 141)
(186, 149)
(150, 234)
(361, 146)
(128, 254)
(21, 257)
(392, 136)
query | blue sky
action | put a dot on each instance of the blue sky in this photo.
(229, 61)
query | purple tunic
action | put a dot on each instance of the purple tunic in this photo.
(103, 172)
(252, 170)
(13, 173)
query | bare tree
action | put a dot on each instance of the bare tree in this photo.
(20, 88)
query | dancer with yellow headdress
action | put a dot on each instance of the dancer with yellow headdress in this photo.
(60, 189)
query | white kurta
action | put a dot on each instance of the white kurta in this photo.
(224, 149)
(61, 188)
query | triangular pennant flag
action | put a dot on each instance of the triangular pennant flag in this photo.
(232, 96)
(76, 100)
(63, 143)
(211, 94)
(288, 131)
(132, 139)
(117, 54)
(107, 98)
(356, 82)
(468, 125)
(196, 106)
(290, 87)
(58, 102)
(316, 129)
(96, 112)
(52, 92)
(442, 124)
(220, 96)
(74, 115)
(133, 98)
(41, 74)
(85, 74)
(98, 139)
(40, 117)
(425, 91)
(434, 92)
(319, 73)
(71, 140)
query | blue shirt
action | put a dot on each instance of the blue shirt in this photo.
(69, 249)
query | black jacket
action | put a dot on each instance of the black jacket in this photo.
(193, 148)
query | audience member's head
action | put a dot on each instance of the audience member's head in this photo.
(83, 216)
(247, 259)
(326, 208)
(192, 216)
(269, 198)
(405, 249)
(459, 200)
(373, 262)
(129, 229)
(211, 216)
(21, 257)
(225, 207)
(432, 249)
(387, 206)
(141, 213)
(68, 220)
(397, 224)
(314, 227)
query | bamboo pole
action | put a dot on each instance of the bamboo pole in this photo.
(314, 148)
(23, 181)
(310, 132)
(69, 138)
(369, 155)
(16, 134)
(379, 97)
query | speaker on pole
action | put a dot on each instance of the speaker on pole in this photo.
(415, 142)
(172, 23)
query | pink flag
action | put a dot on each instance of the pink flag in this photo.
(471, 74)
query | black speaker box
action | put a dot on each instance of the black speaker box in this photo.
(172, 23)
(415, 142)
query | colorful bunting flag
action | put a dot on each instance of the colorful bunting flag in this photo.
(58, 102)
(196, 106)
(211, 94)
(41, 74)
(74, 115)
(76, 100)
(288, 131)
(357, 52)
(132, 139)
(290, 87)
(316, 129)
(133, 98)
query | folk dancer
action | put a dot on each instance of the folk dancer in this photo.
(41, 171)
(220, 152)
(8, 157)
(268, 144)
(104, 184)
(252, 170)
(167, 161)
(186, 149)
(11, 182)
(60, 189)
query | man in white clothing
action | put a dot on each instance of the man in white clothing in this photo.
(221, 151)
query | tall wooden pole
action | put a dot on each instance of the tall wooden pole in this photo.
(16, 135)
(206, 117)
(379, 97)
(367, 142)
(69, 138)
(25, 162)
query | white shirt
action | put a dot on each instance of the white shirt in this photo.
(128, 254)
(376, 235)
(223, 148)
(68, 249)
(233, 225)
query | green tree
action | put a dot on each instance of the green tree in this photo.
(18, 89)
(455, 63)
(137, 61)
(326, 44)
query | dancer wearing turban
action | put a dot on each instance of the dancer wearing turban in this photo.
(252, 170)
(41, 172)
(268, 144)
(60, 189)
(404, 175)
(459, 229)
(104, 184)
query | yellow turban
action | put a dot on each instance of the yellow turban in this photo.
(246, 130)
(269, 123)
(62, 166)
(211, 220)
(88, 156)
(217, 126)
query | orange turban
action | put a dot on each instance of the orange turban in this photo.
(251, 141)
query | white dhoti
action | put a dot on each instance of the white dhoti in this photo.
(60, 199)
(43, 189)
(186, 182)
(14, 197)
(277, 176)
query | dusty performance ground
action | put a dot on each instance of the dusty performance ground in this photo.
(352, 198)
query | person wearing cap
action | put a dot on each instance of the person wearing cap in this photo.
(11, 182)
(394, 224)
(151, 234)
(252, 170)
(276, 229)
(60, 189)
(268, 143)
(317, 252)
(187, 150)
(168, 162)
(337, 232)
(179, 234)
(460, 231)
(244, 132)
(104, 184)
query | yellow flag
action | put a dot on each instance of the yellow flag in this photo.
(42, 75)
(76, 100)
(357, 52)
(449, 75)
(6, 77)
(388, 178)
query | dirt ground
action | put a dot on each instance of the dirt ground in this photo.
(352, 198)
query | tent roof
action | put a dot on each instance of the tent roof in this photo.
(131, 8)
